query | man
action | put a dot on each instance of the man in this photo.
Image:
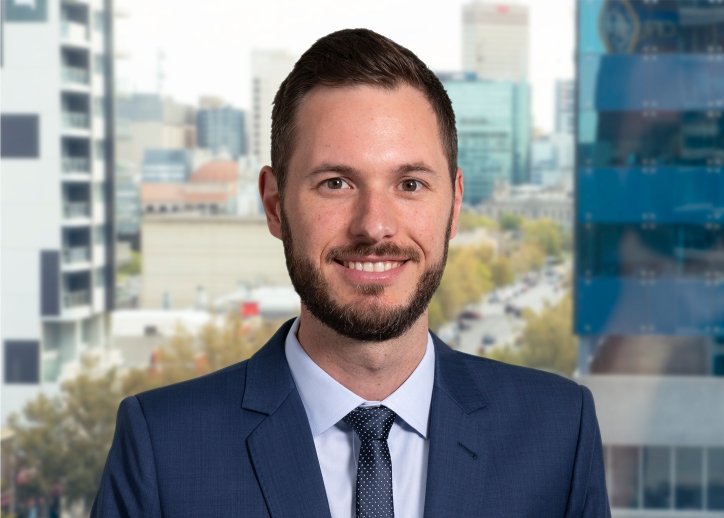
(355, 409)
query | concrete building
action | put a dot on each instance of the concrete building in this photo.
(184, 252)
(221, 128)
(57, 155)
(166, 165)
(268, 69)
(493, 123)
(649, 275)
(565, 106)
(530, 201)
(552, 161)
(496, 40)
(211, 189)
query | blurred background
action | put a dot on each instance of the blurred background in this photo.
(134, 251)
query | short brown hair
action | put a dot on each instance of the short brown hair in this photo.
(354, 57)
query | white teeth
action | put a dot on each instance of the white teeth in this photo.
(372, 267)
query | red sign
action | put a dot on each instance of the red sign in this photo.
(502, 8)
(249, 309)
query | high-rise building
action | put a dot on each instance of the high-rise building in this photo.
(649, 281)
(565, 106)
(57, 199)
(493, 124)
(495, 40)
(221, 128)
(268, 69)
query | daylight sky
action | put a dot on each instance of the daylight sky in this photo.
(207, 44)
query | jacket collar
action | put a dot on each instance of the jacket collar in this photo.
(269, 380)
(453, 378)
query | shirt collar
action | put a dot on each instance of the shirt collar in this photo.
(326, 401)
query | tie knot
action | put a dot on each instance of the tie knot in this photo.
(371, 423)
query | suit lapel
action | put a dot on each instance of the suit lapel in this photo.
(459, 463)
(282, 447)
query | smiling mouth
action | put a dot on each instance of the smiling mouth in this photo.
(367, 266)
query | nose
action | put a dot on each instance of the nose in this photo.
(374, 216)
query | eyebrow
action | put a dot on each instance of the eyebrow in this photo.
(348, 170)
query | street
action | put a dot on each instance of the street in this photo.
(504, 327)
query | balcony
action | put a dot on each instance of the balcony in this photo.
(76, 209)
(76, 165)
(75, 299)
(73, 32)
(76, 120)
(77, 254)
(75, 75)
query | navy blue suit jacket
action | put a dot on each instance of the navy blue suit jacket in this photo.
(504, 442)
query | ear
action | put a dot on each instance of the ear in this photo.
(457, 202)
(269, 191)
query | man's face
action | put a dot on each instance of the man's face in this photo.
(368, 208)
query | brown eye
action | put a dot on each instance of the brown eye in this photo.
(335, 183)
(410, 185)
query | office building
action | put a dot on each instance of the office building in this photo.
(57, 155)
(495, 40)
(493, 123)
(183, 252)
(649, 281)
(532, 202)
(166, 165)
(565, 106)
(221, 128)
(268, 69)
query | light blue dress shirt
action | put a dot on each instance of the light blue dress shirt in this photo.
(326, 402)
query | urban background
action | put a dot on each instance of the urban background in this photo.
(134, 252)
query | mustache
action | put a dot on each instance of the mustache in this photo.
(379, 250)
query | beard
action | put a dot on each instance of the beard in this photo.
(370, 320)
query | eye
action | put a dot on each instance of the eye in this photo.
(410, 185)
(335, 184)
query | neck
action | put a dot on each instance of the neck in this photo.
(372, 370)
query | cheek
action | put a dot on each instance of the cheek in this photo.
(317, 225)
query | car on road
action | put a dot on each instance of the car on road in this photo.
(470, 315)
(488, 339)
(513, 310)
(463, 325)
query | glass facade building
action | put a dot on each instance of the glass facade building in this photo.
(222, 130)
(650, 168)
(493, 123)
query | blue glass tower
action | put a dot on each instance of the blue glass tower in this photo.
(650, 169)
(493, 123)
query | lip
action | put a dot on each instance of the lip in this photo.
(363, 277)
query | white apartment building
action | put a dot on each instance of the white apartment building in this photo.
(268, 69)
(496, 40)
(56, 210)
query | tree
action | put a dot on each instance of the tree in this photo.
(510, 222)
(528, 257)
(467, 277)
(470, 221)
(548, 341)
(502, 272)
(546, 233)
(63, 442)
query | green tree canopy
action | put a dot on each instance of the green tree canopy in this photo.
(510, 222)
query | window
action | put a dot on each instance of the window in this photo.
(99, 192)
(24, 11)
(657, 477)
(625, 477)
(20, 136)
(99, 64)
(100, 149)
(100, 277)
(99, 21)
(715, 476)
(99, 237)
(689, 471)
(22, 361)
(99, 107)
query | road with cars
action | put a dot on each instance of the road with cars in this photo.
(489, 325)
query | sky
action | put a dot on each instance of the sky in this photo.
(207, 44)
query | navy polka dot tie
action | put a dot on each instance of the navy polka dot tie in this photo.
(374, 467)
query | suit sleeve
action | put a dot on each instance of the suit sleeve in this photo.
(588, 497)
(129, 487)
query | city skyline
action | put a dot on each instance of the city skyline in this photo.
(222, 65)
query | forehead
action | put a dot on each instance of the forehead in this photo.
(367, 122)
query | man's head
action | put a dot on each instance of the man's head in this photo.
(364, 154)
